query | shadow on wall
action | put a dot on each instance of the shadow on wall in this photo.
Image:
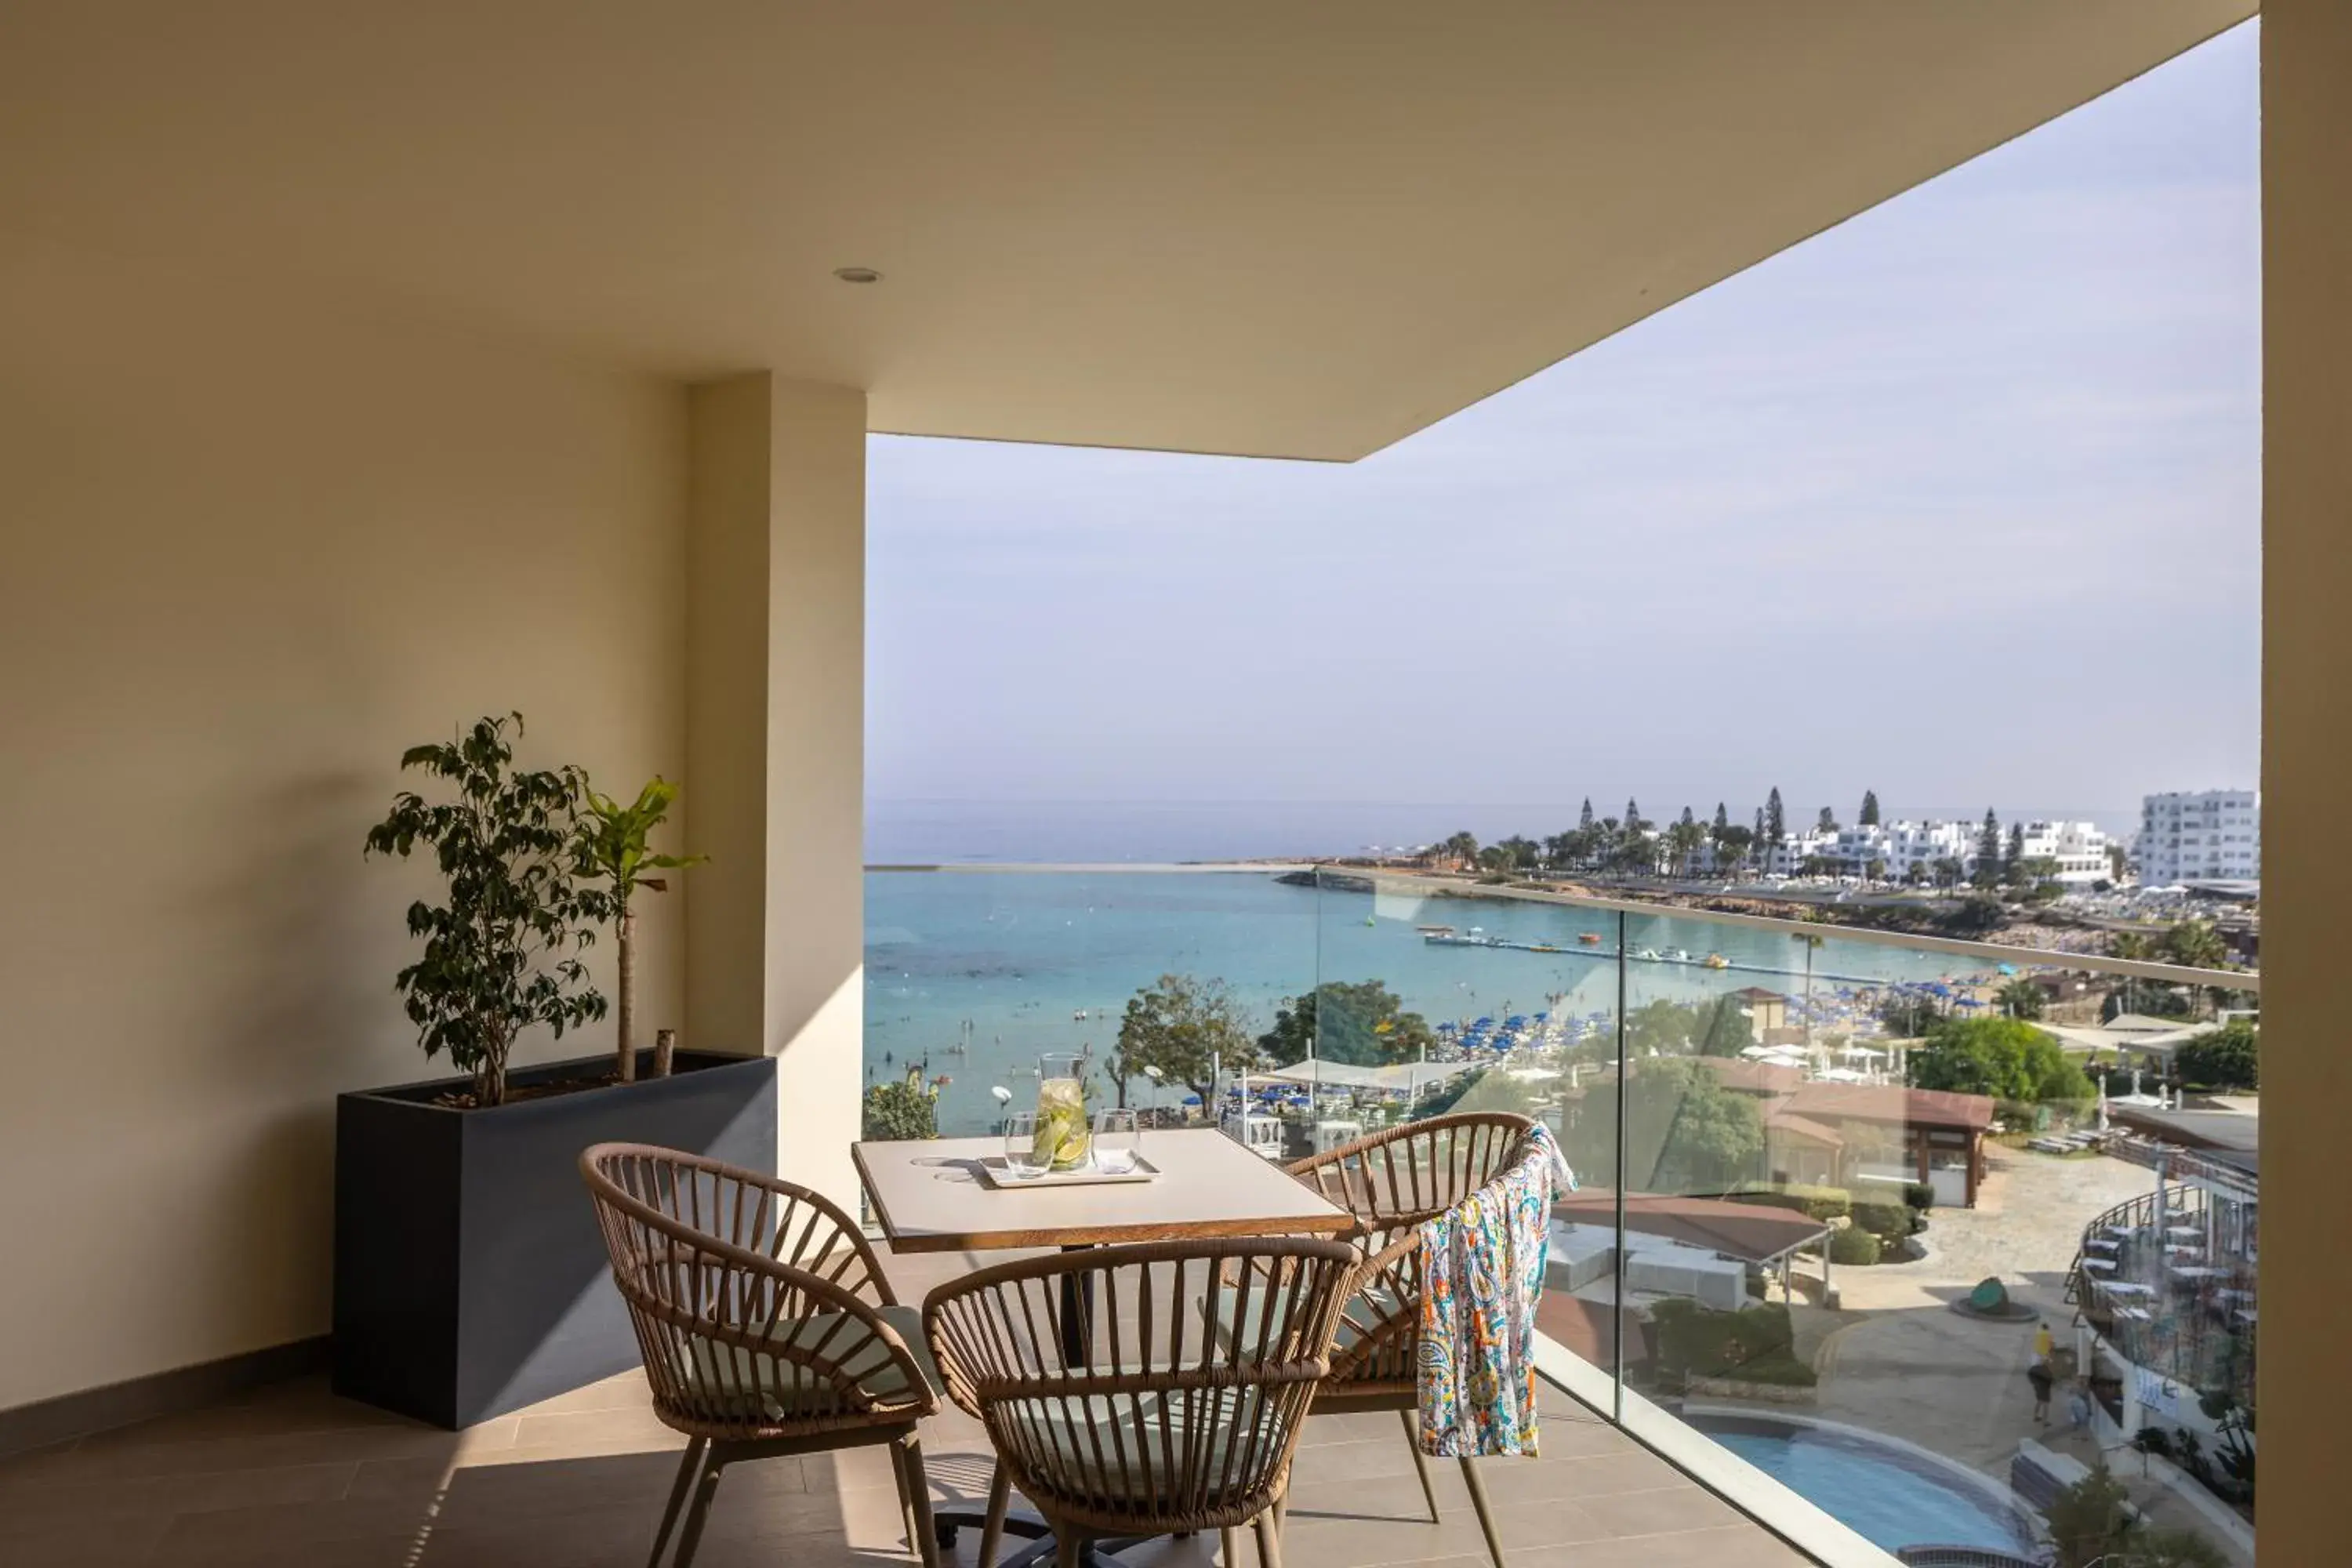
(301, 939)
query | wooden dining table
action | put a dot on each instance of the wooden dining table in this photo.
(951, 1194)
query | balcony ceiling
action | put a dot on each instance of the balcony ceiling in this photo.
(1297, 230)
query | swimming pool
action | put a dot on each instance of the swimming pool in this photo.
(1894, 1498)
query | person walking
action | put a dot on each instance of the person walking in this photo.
(2043, 1343)
(2038, 1374)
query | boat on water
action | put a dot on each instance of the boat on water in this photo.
(1648, 955)
(1682, 955)
(1589, 938)
(1717, 961)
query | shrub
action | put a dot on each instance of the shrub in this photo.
(1920, 1195)
(2089, 1518)
(1814, 1202)
(1889, 1222)
(1753, 1343)
(2224, 1058)
(1855, 1246)
(895, 1112)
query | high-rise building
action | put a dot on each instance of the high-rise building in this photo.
(2200, 835)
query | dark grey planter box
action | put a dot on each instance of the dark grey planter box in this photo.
(471, 1278)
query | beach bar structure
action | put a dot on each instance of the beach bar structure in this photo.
(367, 370)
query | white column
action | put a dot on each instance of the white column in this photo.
(775, 749)
(2305, 1360)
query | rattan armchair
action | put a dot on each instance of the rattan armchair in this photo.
(1158, 1426)
(1393, 1181)
(765, 1323)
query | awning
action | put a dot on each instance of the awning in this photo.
(1402, 1078)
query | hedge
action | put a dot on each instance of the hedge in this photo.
(1887, 1221)
(1815, 1203)
(1920, 1195)
(1854, 1246)
(1755, 1342)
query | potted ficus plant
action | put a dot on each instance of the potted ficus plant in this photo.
(503, 952)
(610, 851)
(470, 1278)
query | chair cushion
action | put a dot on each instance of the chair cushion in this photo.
(1134, 1448)
(1368, 1307)
(763, 1388)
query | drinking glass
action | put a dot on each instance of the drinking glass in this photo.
(1119, 1141)
(1022, 1157)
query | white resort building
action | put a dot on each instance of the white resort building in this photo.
(2213, 834)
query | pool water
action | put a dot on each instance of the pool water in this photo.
(1880, 1492)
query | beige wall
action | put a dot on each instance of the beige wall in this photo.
(2306, 1362)
(251, 550)
(775, 703)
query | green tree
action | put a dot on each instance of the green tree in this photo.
(1776, 821)
(1911, 1014)
(1361, 1023)
(1686, 1131)
(1662, 1027)
(2224, 1058)
(2195, 944)
(1519, 854)
(2012, 857)
(2020, 998)
(2167, 1548)
(2090, 1518)
(1462, 847)
(2003, 1057)
(503, 954)
(1183, 1025)
(1827, 822)
(1726, 1029)
(896, 1113)
(1493, 1089)
(1989, 852)
(1869, 816)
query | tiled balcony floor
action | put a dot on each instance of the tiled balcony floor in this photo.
(292, 1475)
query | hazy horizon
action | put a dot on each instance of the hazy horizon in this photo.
(1958, 501)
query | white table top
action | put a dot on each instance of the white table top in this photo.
(929, 1199)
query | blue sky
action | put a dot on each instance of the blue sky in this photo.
(1959, 501)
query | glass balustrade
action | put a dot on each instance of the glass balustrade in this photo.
(1917, 1248)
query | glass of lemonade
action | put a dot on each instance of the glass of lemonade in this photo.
(1064, 1138)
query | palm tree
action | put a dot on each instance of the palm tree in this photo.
(2020, 998)
(2195, 944)
(2133, 946)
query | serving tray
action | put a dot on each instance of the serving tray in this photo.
(993, 1172)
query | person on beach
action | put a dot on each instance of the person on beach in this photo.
(2038, 1374)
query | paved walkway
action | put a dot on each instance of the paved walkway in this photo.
(1895, 1359)
(1899, 1361)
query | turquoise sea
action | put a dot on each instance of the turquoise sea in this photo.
(1009, 960)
